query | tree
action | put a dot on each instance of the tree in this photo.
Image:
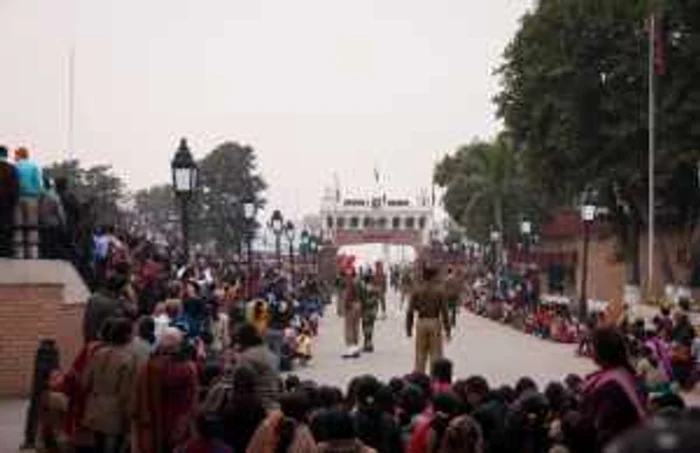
(574, 98)
(97, 188)
(484, 186)
(156, 210)
(228, 178)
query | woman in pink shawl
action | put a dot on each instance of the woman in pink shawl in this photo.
(611, 402)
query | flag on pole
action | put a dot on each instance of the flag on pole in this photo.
(657, 35)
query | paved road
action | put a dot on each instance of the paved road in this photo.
(479, 346)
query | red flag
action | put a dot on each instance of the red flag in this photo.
(656, 32)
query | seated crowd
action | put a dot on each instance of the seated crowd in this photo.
(153, 396)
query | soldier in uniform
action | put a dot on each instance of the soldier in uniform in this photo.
(379, 283)
(453, 287)
(370, 298)
(428, 302)
(351, 312)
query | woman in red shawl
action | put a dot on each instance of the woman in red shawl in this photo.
(165, 397)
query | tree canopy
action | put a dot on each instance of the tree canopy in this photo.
(574, 97)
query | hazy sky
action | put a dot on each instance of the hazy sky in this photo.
(316, 86)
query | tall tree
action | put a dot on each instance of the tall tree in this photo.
(156, 209)
(228, 178)
(97, 188)
(484, 186)
(574, 97)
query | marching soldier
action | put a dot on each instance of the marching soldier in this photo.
(370, 299)
(429, 303)
(352, 308)
(453, 287)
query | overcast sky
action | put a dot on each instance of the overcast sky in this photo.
(315, 86)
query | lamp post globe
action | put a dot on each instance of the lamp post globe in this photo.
(588, 214)
(249, 211)
(185, 178)
(290, 232)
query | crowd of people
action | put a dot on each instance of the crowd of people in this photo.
(191, 359)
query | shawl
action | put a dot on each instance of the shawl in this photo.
(266, 437)
(623, 379)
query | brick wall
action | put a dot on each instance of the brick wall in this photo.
(607, 275)
(30, 312)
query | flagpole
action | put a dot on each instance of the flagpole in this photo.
(71, 104)
(652, 153)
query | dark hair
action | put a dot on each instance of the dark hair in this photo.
(247, 337)
(557, 397)
(291, 383)
(505, 394)
(243, 380)
(446, 407)
(412, 401)
(429, 272)
(286, 430)
(478, 385)
(295, 405)
(338, 425)
(610, 349)
(208, 426)
(441, 370)
(396, 384)
(147, 329)
(329, 397)
(525, 384)
(3, 151)
(422, 380)
(366, 391)
(385, 400)
(119, 331)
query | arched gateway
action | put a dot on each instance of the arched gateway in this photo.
(377, 219)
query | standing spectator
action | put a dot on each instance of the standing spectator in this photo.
(109, 378)
(258, 357)
(165, 397)
(52, 222)
(9, 194)
(103, 304)
(31, 187)
(144, 340)
(342, 437)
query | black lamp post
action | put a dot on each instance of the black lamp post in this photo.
(588, 212)
(277, 226)
(304, 245)
(290, 233)
(313, 248)
(526, 231)
(185, 173)
(249, 215)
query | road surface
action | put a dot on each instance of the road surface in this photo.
(479, 346)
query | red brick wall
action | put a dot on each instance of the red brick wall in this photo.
(28, 314)
(607, 276)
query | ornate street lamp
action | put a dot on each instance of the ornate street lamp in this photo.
(526, 231)
(277, 226)
(290, 233)
(185, 174)
(313, 249)
(588, 213)
(304, 243)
